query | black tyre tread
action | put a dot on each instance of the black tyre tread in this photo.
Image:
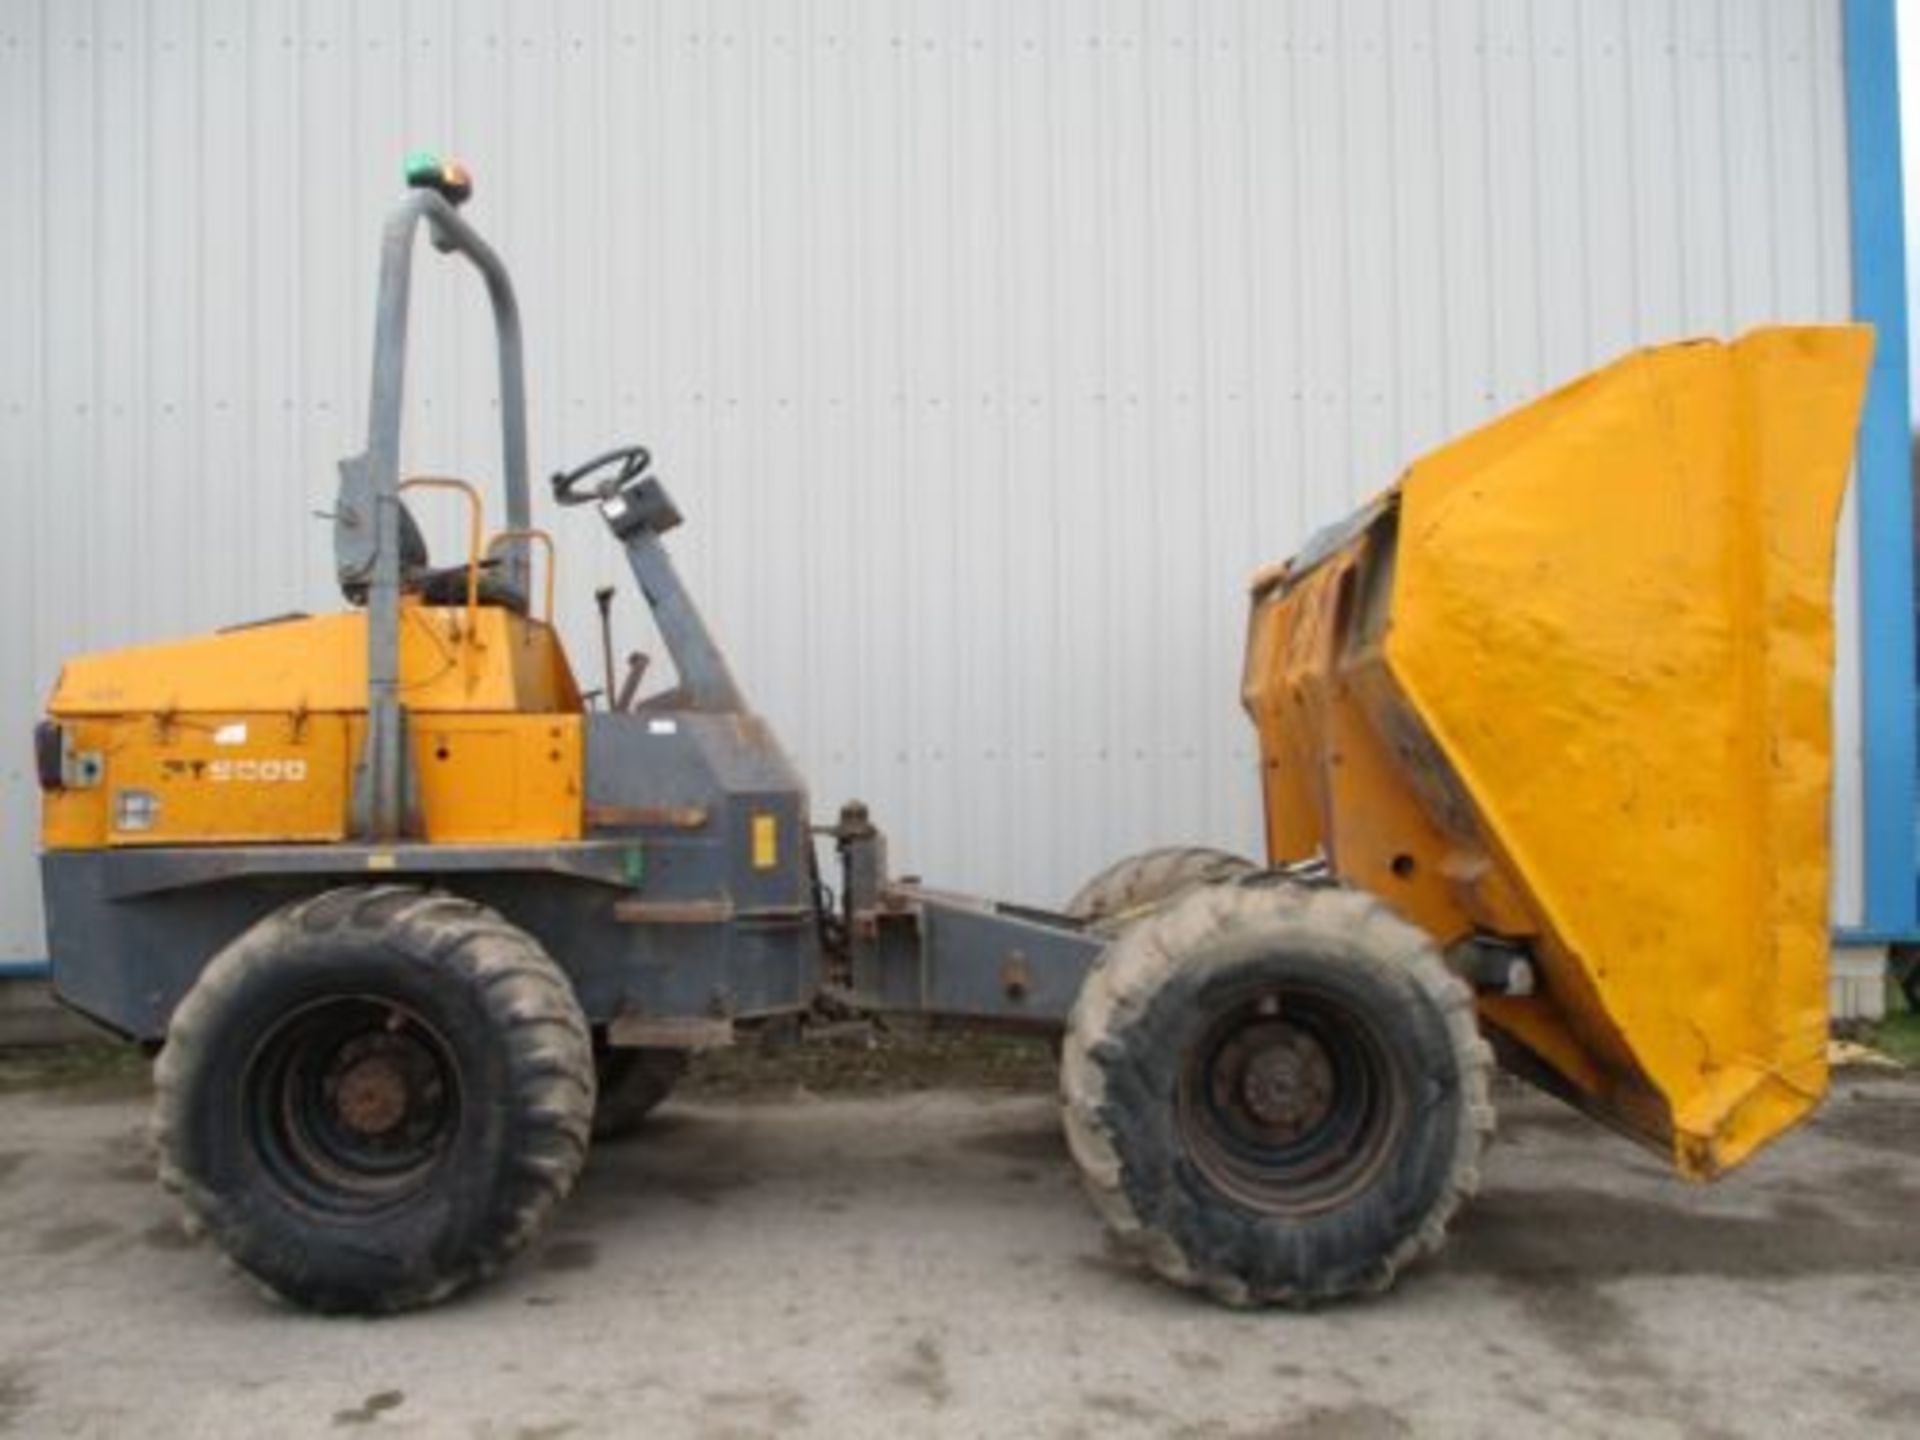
(1142, 957)
(548, 1040)
(1127, 889)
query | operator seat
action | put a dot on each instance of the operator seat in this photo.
(442, 584)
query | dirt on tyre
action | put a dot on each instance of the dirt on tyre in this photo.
(1275, 1093)
(1129, 888)
(375, 1097)
(632, 1084)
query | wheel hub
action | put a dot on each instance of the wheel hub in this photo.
(1289, 1101)
(371, 1097)
(1286, 1083)
(383, 1086)
(355, 1100)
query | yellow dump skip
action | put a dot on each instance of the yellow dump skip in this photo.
(1568, 683)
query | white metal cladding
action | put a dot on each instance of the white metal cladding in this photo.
(988, 347)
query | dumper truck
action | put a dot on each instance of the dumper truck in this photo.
(408, 918)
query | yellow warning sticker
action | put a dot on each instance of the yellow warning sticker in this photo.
(766, 842)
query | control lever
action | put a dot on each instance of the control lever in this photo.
(630, 687)
(603, 597)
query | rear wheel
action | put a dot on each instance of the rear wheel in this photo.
(1276, 1093)
(375, 1097)
(632, 1084)
(1129, 888)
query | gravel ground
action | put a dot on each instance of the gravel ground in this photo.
(922, 1264)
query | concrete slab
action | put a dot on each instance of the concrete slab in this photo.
(924, 1265)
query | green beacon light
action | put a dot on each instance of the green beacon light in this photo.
(427, 171)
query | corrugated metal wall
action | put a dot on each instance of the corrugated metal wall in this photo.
(988, 346)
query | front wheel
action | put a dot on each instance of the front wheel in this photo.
(375, 1097)
(1275, 1093)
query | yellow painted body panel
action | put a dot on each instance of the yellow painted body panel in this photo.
(252, 735)
(224, 778)
(319, 663)
(1569, 683)
(489, 778)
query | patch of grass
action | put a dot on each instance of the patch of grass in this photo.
(852, 1059)
(86, 1064)
(1898, 1035)
(862, 1060)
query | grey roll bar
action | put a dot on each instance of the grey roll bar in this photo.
(366, 516)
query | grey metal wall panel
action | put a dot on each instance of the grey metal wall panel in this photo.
(989, 347)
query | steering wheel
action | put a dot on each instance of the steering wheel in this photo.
(622, 466)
